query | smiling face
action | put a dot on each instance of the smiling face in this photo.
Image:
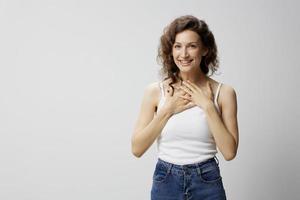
(188, 50)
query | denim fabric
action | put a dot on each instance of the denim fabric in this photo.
(200, 181)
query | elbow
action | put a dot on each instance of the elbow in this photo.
(135, 151)
(230, 156)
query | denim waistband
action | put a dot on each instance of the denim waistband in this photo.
(188, 166)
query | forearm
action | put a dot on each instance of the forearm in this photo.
(224, 140)
(145, 138)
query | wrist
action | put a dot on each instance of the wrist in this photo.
(166, 112)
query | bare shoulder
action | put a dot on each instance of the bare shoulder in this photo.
(227, 91)
(152, 92)
(227, 95)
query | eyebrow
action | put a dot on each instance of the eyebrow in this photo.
(187, 43)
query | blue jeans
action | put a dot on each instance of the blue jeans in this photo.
(200, 181)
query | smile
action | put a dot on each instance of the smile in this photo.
(185, 62)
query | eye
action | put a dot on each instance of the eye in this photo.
(176, 46)
(193, 46)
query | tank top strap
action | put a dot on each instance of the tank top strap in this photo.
(162, 89)
(216, 96)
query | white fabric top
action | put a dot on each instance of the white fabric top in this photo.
(186, 138)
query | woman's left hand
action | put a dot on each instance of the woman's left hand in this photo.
(200, 97)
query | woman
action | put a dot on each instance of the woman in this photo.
(189, 114)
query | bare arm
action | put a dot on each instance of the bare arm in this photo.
(225, 128)
(148, 126)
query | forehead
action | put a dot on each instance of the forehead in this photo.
(187, 36)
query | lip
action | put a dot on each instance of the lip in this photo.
(185, 62)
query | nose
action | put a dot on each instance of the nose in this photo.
(184, 53)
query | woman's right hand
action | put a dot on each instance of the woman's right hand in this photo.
(174, 102)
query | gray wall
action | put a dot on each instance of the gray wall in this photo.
(72, 76)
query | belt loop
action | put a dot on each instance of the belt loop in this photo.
(169, 167)
(216, 159)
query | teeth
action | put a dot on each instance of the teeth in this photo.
(186, 62)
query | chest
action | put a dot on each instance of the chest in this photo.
(190, 124)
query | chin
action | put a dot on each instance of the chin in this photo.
(186, 69)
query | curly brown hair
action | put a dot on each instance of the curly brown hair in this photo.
(188, 22)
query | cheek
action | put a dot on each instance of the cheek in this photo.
(198, 60)
(176, 61)
(174, 54)
(197, 55)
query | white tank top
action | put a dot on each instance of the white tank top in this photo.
(186, 138)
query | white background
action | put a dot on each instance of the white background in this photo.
(72, 77)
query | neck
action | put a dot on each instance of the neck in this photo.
(195, 77)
